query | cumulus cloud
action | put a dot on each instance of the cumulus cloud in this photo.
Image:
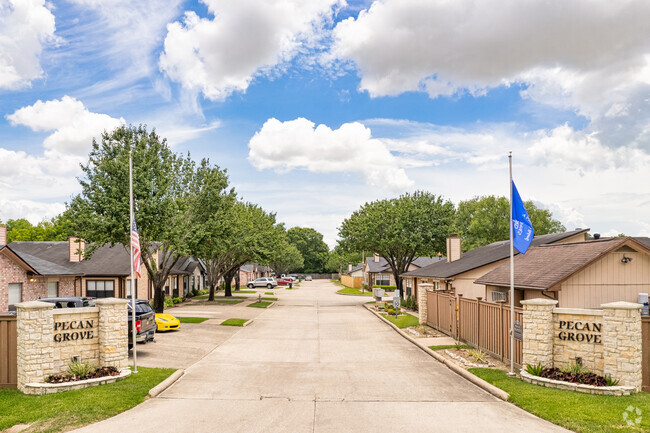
(25, 27)
(73, 124)
(592, 57)
(300, 144)
(222, 55)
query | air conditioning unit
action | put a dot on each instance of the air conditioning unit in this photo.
(499, 296)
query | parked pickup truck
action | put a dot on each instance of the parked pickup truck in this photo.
(145, 322)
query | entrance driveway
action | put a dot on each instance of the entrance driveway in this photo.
(319, 362)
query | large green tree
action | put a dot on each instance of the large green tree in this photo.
(161, 178)
(313, 249)
(56, 229)
(338, 259)
(211, 210)
(399, 229)
(483, 220)
(286, 257)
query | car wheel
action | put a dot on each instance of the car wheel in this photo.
(251, 286)
(269, 286)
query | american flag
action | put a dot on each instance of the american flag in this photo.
(135, 244)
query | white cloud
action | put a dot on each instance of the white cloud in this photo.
(33, 211)
(25, 27)
(73, 125)
(222, 55)
(299, 144)
(589, 56)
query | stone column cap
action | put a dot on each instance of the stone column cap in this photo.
(35, 305)
(540, 301)
(112, 301)
(621, 305)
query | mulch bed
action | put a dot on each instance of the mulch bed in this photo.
(67, 377)
(580, 378)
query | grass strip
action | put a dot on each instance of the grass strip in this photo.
(228, 301)
(234, 322)
(245, 291)
(269, 293)
(269, 299)
(351, 291)
(72, 409)
(450, 346)
(404, 321)
(262, 304)
(584, 413)
(192, 319)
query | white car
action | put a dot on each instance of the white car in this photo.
(267, 282)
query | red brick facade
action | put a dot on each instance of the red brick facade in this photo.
(12, 272)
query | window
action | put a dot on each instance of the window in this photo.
(175, 282)
(128, 288)
(52, 289)
(382, 280)
(193, 282)
(15, 293)
(100, 288)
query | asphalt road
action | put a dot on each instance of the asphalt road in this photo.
(319, 362)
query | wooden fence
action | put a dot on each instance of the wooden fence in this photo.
(441, 312)
(354, 282)
(8, 360)
(645, 346)
(484, 325)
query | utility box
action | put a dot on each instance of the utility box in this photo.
(378, 293)
(643, 300)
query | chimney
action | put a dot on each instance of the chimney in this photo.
(349, 267)
(596, 235)
(3, 234)
(375, 258)
(454, 251)
(76, 248)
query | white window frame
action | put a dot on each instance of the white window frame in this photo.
(12, 298)
(128, 287)
(52, 289)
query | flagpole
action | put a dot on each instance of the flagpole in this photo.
(131, 219)
(512, 282)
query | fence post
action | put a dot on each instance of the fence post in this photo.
(458, 334)
(502, 343)
(478, 322)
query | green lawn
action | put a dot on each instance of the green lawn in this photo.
(65, 410)
(269, 293)
(234, 322)
(244, 291)
(576, 411)
(192, 319)
(450, 346)
(351, 291)
(228, 301)
(262, 304)
(403, 321)
(269, 299)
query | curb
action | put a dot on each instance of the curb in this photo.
(497, 392)
(246, 323)
(352, 294)
(156, 390)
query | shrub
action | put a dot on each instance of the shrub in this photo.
(169, 302)
(188, 295)
(177, 300)
(80, 369)
(585, 377)
(387, 288)
(575, 368)
(535, 370)
(478, 355)
(611, 381)
(195, 292)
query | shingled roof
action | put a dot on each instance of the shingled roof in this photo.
(545, 266)
(383, 266)
(482, 256)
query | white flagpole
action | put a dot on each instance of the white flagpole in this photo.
(512, 283)
(133, 331)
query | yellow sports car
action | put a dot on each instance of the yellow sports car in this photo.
(166, 322)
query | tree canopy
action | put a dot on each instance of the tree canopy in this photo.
(400, 229)
(56, 229)
(483, 220)
(313, 249)
(100, 213)
(286, 258)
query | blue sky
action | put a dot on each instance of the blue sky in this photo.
(317, 107)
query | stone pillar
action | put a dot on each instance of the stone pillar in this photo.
(538, 332)
(422, 302)
(35, 342)
(113, 332)
(622, 342)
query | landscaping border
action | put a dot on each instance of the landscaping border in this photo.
(52, 388)
(616, 391)
(497, 392)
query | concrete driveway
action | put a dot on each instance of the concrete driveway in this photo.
(319, 362)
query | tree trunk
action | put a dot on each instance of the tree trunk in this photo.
(237, 280)
(158, 294)
(228, 281)
(399, 283)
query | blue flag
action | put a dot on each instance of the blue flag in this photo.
(522, 228)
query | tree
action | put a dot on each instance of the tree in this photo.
(286, 257)
(56, 229)
(312, 248)
(399, 229)
(100, 213)
(211, 214)
(338, 259)
(483, 220)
